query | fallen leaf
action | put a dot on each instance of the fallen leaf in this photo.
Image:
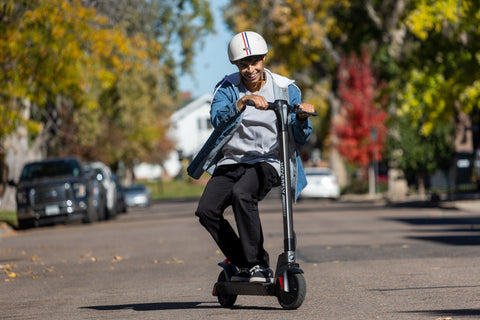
(8, 270)
(11, 274)
(51, 269)
(174, 260)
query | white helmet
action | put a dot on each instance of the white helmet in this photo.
(245, 44)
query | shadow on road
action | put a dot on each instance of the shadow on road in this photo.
(466, 240)
(466, 225)
(446, 312)
(170, 306)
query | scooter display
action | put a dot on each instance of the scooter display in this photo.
(289, 285)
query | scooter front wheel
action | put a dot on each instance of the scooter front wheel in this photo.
(297, 291)
(225, 300)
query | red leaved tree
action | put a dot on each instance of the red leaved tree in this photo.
(359, 130)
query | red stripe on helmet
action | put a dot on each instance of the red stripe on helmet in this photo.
(246, 44)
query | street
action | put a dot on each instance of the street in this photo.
(362, 260)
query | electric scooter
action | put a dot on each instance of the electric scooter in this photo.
(289, 285)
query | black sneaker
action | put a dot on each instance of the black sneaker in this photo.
(229, 268)
(243, 275)
(260, 274)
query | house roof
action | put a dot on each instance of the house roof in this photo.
(192, 106)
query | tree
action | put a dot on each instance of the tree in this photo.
(58, 58)
(360, 130)
(441, 75)
(419, 155)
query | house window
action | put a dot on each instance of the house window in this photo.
(204, 124)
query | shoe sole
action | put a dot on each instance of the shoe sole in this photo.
(239, 279)
(260, 280)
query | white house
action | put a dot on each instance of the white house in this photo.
(190, 128)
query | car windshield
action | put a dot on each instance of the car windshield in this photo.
(59, 168)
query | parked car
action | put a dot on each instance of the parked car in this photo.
(137, 195)
(56, 190)
(104, 176)
(322, 183)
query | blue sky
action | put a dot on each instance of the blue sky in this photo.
(211, 62)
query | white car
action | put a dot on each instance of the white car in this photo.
(104, 175)
(322, 183)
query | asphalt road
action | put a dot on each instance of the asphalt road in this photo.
(361, 261)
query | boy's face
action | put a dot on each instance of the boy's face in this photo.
(251, 69)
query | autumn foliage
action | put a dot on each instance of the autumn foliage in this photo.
(359, 131)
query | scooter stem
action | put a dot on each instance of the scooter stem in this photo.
(281, 111)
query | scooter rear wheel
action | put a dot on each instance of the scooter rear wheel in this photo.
(297, 291)
(225, 300)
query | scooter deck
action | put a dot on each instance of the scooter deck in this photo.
(244, 288)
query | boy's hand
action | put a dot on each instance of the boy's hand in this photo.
(307, 108)
(259, 101)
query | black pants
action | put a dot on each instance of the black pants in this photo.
(242, 186)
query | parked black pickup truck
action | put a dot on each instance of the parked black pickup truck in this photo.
(57, 190)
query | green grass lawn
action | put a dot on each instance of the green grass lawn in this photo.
(174, 189)
(9, 217)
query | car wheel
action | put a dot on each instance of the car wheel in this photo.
(112, 214)
(24, 224)
(91, 214)
(101, 212)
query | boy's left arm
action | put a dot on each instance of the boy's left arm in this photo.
(302, 128)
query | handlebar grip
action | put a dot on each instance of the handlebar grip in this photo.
(250, 103)
(310, 113)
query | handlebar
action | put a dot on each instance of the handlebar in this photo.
(279, 103)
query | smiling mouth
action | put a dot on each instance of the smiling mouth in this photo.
(252, 76)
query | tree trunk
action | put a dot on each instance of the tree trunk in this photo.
(18, 152)
(336, 161)
(421, 184)
(371, 179)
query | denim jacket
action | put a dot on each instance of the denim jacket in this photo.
(226, 118)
